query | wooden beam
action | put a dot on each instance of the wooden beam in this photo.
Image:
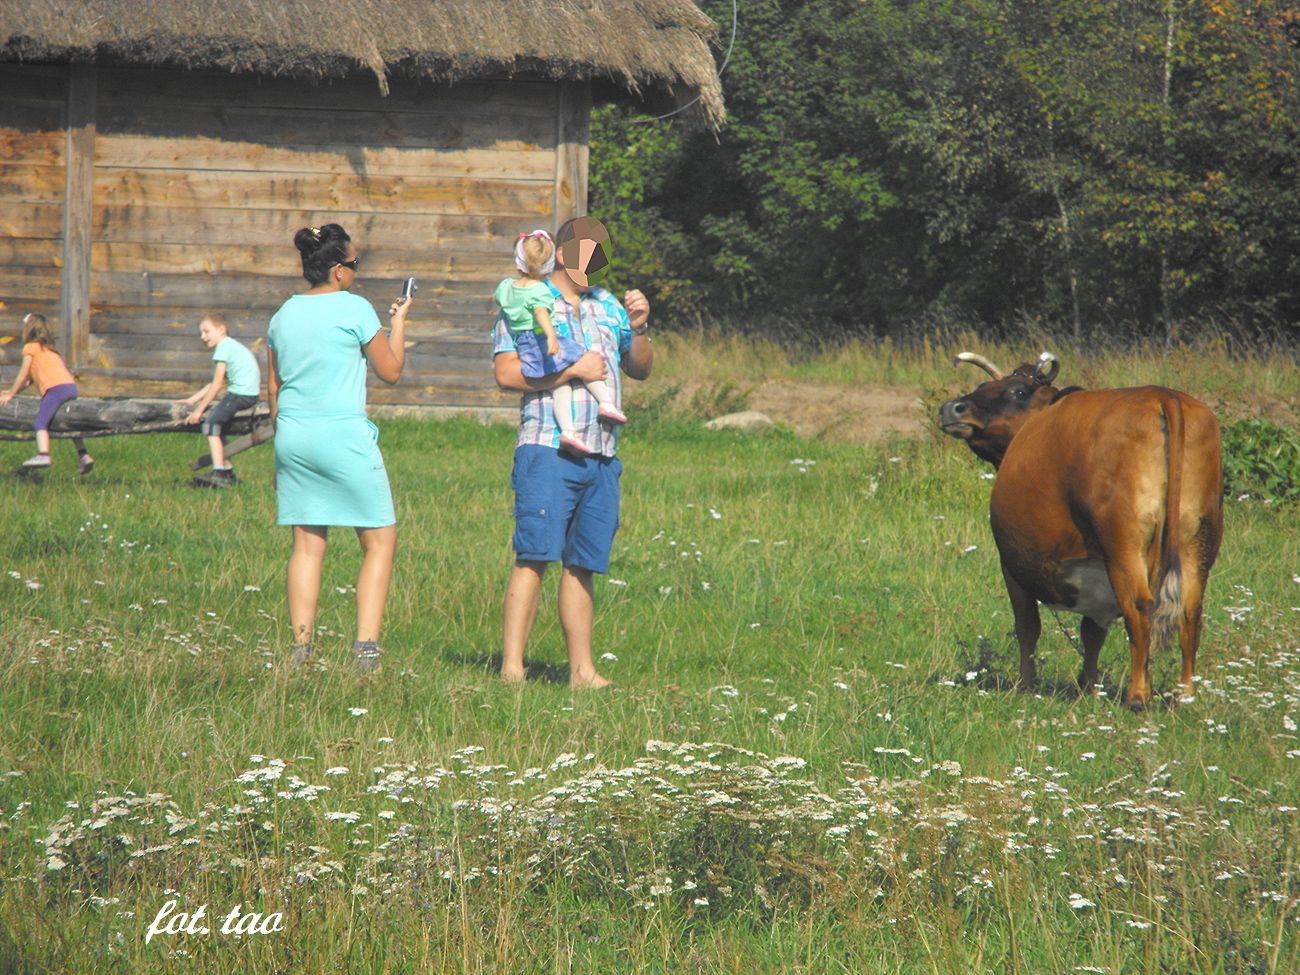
(260, 434)
(86, 417)
(78, 212)
(572, 133)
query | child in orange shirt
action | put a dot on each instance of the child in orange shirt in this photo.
(44, 366)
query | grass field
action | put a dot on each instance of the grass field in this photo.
(814, 764)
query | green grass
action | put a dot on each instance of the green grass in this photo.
(831, 611)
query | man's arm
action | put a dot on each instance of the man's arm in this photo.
(510, 376)
(641, 355)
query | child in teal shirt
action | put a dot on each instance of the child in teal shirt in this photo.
(526, 302)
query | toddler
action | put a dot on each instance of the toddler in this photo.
(526, 301)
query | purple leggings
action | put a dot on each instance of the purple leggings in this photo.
(54, 397)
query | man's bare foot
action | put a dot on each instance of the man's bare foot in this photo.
(588, 682)
(512, 676)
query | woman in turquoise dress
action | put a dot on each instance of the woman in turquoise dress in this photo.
(328, 468)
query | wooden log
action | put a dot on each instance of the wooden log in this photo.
(32, 184)
(43, 221)
(34, 82)
(178, 91)
(132, 223)
(87, 417)
(27, 141)
(131, 150)
(260, 434)
(371, 126)
(201, 189)
(381, 262)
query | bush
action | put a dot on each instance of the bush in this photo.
(1262, 459)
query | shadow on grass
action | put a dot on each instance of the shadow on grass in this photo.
(998, 671)
(534, 670)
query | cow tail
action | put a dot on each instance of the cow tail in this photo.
(1169, 594)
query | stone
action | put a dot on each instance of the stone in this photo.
(748, 421)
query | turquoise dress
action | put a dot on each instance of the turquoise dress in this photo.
(328, 468)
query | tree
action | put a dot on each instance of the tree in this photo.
(1097, 161)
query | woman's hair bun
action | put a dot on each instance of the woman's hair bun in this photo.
(321, 248)
(307, 240)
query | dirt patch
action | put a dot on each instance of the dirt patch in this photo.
(863, 414)
(871, 414)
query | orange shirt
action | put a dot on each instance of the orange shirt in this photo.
(48, 368)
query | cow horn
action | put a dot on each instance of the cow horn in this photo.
(1047, 368)
(978, 360)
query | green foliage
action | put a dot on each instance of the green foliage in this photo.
(886, 162)
(1261, 459)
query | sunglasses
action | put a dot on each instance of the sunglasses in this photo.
(352, 264)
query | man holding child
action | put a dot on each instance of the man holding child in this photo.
(567, 503)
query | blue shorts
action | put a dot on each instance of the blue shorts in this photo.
(566, 508)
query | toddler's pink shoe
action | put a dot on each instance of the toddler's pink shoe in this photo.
(573, 445)
(612, 416)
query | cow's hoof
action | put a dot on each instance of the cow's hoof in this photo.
(1027, 686)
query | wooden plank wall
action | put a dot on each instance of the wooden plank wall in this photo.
(200, 180)
(33, 144)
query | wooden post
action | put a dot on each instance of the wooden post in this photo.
(572, 133)
(78, 201)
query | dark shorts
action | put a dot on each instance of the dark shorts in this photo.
(53, 398)
(217, 417)
(566, 508)
(535, 363)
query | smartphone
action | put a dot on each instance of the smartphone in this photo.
(409, 288)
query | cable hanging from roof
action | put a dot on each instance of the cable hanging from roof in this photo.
(727, 57)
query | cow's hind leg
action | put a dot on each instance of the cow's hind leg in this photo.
(1128, 579)
(1189, 628)
(1093, 635)
(1028, 627)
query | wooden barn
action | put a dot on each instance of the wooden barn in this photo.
(156, 159)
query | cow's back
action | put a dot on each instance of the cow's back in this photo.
(1096, 461)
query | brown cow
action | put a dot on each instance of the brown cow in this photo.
(1107, 503)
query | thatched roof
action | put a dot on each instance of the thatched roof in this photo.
(656, 45)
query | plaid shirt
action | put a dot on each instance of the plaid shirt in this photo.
(602, 327)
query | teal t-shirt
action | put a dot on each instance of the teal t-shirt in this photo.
(243, 375)
(518, 304)
(317, 342)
